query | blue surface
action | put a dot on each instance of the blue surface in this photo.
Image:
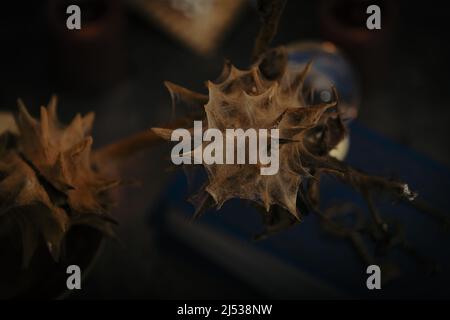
(334, 260)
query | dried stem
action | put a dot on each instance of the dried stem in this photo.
(123, 149)
(424, 207)
(270, 12)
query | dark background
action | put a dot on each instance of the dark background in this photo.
(408, 102)
(405, 97)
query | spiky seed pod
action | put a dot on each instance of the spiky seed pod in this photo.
(48, 183)
(270, 96)
(257, 99)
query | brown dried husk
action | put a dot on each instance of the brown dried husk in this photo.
(49, 186)
(267, 96)
(48, 183)
(55, 198)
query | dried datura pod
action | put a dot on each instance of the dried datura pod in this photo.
(266, 96)
(53, 191)
(269, 95)
(47, 174)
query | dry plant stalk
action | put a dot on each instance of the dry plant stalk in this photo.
(270, 13)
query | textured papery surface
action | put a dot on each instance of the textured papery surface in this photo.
(47, 180)
(261, 100)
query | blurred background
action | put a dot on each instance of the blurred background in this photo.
(116, 64)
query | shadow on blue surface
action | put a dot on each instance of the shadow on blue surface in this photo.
(305, 262)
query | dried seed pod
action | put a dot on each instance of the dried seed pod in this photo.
(252, 99)
(48, 181)
(268, 96)
(55, 196)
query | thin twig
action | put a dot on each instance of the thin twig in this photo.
(270, 12)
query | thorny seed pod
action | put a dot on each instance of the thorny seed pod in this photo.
(266, 96)
(51, 184)
(47, 175)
